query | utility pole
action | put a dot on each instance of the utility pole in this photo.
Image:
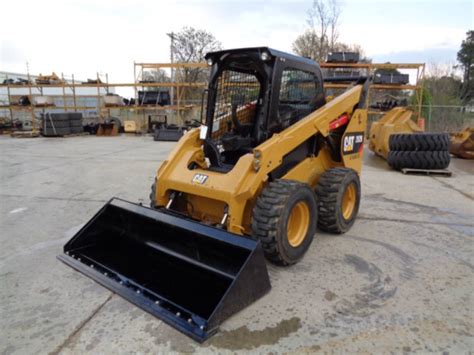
(171, 36)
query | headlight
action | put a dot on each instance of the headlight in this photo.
(264, 56)
(209, 62)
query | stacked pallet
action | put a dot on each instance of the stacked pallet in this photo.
(61, 124)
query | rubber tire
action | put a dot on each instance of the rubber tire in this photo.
(56, 124)
(419, 142)
(330, 190)
(49, 132)
(75, 130)
(419, 159)
(74, 124)
(152, 195)
(270, 217)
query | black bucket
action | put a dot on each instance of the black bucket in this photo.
(190, 275)
(168, 133)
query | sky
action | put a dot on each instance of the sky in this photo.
(106, 36)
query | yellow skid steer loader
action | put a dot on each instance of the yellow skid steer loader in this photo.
(271, 162)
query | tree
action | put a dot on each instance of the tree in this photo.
(466, 59)
(158, 76)
(321, 37)
(190, 45)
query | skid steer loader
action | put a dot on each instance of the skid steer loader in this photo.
(271, 162)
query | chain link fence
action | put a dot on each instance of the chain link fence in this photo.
(447, 118)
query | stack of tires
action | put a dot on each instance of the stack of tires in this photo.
(61, 124)
(428, 151)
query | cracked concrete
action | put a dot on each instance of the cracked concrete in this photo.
(401, 280)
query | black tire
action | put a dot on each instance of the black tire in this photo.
(152, 195)
(75, 130)
(56, 124)
(271, 216)
(330, 192)
(419, 159)
(419, 142)
(74, 124)
(50, 132)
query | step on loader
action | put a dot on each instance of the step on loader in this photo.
(271, 162)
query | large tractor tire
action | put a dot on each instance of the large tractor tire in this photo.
(338, 195)
(56, 124)
(419, 142)
(419, 159)
(284, 219)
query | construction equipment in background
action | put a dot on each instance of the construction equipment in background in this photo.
(167, 132)
(154, 97)
(110, 127)
(397, 120)
(399, 140)
(130, 127)
(462, 143)
(52, 79)
(272, 162)
(113, 100)
(343, 57)
(61, 124)
(391, 78)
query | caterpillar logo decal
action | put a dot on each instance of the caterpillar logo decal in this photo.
(199, 179)
(352, 143)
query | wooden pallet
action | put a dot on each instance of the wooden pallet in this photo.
(438, 172)
(25, 134)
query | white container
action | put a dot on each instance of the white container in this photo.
(43, 101)
(113, 100)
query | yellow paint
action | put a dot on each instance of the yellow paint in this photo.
(239, 188)
(397, 120)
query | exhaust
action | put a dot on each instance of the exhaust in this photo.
(191, 276)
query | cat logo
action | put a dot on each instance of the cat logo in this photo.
(353, 143)
(349, 143)
(199, 179)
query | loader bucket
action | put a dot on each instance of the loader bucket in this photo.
(188, 274)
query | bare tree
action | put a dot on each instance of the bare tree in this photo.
(158, 76)
(307, 44)
(323, 20)
(190, 45)
(322, 36)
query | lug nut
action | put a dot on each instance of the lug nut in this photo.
(178, 314)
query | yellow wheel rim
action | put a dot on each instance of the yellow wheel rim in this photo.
(298, 224)
(349, 201)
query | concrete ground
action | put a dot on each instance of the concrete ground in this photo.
(401, 280)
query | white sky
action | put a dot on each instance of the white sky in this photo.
(88, 36)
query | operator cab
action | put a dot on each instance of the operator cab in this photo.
(254, 93)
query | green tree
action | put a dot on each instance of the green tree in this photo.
(466, 60)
